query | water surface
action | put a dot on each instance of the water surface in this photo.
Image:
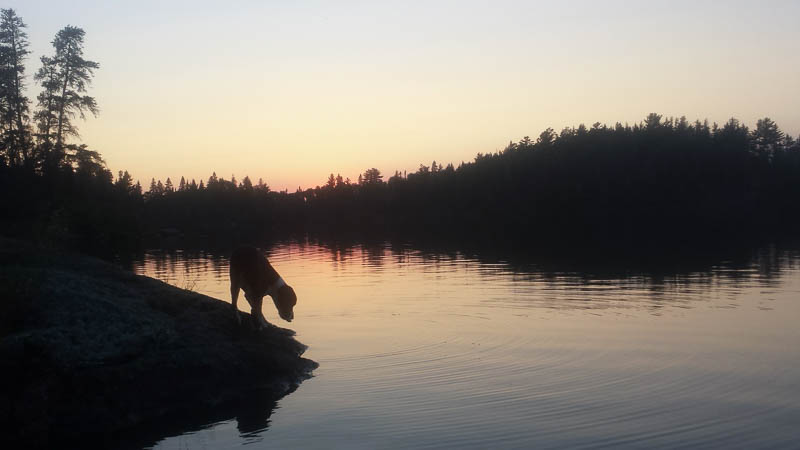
(444, 349)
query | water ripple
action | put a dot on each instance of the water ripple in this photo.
(445, 350)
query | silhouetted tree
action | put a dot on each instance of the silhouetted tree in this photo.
(546, 138)
(767, 136)
(372, 177)
(16, 139)
(124, 182)
(247, 185)
(64, 78)
(652, 121)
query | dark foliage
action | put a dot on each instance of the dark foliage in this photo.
(657, 179)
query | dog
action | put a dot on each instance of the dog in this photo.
(251, 272)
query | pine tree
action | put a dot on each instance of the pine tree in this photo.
(372, 176)
(64, 78)
(124, 182)
(767, 136)
(13, 51)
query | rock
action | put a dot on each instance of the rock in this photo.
(89, 352)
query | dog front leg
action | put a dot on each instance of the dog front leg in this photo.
(234, 300)
(256, 314)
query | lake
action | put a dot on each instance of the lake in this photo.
(473, 349)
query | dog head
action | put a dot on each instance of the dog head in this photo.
(284, 300)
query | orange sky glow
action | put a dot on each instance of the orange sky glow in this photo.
(292, 92)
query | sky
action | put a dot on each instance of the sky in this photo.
(293, 91)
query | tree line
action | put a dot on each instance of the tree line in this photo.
(657, 178)
(660, 178)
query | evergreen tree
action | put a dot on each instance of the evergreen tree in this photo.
(767, 136)
(45, 116)
(168, 188)
(546, 138)
(182, 185)
(64, 79)
(372, 176)
(124, 182)
(16, 140)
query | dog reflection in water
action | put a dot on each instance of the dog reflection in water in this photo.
(251, 272)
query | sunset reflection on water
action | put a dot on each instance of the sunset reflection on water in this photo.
(444, 349)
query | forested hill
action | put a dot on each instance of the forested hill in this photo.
(659, 176)
(657, 179)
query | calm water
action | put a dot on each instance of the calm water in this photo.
(426, 349)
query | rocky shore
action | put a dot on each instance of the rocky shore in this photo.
(91, 354)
